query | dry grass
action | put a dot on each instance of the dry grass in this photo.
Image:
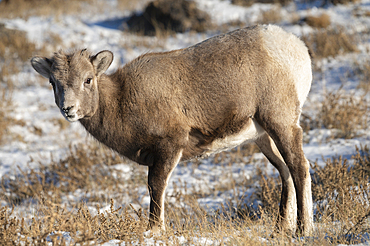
(329, 43)
(81, 169)
(363, 72)
(271, 16)
(27, 8)
(82, 226)
(58, 8)
(163, 17)
(336, 2)
(343, 112)
(340, 191)
(248, 3)
(322, 21)
(343, 190)
(5, 108)
(15, 50)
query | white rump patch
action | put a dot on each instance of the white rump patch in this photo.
(290, 52)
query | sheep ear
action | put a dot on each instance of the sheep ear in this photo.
(102, 61)
(42, 65)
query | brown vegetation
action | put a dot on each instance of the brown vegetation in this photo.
(165, 16)
(339, 189)
(363, 72)
(344, 112)
(271, 16)
(27, 8)
(343, 191)
(5, 103)
(336, 2)
(15, 50)
(329, 43)
(322, 21)
(81, 169)
(250, 2)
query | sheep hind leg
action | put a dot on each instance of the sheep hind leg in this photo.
(287, 219)
(288, 140)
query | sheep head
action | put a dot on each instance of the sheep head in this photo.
(74, 78)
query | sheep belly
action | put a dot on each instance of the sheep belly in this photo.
(248, 134)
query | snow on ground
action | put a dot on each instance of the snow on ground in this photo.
(34, 102)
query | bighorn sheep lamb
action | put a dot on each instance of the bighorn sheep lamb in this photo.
(248, 85)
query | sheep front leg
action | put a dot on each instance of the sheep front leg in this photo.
(158, 177)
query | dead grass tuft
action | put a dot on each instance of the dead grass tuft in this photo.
(79, 223)
(5, 109)
(15, 45)
(161, 17)
(344, 112)
(271, 16)
(329, 43)
(248, 3)
(81, 169)
(363, 72)
(322, 21)
(336, 2)
(27, 8)
(342, 190)
(15, 52)
(268, 192)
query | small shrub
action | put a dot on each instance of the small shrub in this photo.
(322, 21)
(15, 45)
(248, 3)
(341, 191)
(271, 16)
(81, 225)
(344, 112)
(329, 43)
(81, 169)
(165, 16)
(5, 109)
(268, 192)
(15, 52)
(27, 8)
(336, 2)
(245, 3)
(363, 72)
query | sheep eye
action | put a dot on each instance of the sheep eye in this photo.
(51, 81)
(88, 81)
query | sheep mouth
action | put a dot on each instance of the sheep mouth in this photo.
(71, 117)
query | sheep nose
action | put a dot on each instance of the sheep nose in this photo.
(66, 110)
